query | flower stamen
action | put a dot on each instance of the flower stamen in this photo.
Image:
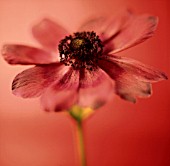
(81, 50)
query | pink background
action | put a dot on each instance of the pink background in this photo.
(120, 133)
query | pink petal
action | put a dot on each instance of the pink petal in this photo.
(132, 78)
(49, 33)
(95, 24)
(136, 31)
(69, 81)
(99, 93)
(32, 82)
(128, 88)
(91, 78)
(116, 24)
(25, 55)
(139, 70)
(56, 101)
(63, 93)
(107, 27)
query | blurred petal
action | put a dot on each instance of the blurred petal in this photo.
(32, 82)
(25, 55)
(132, 78)
(95, 24)
(63, 93)
(98, 93)
(107, 27)
(49, 33)
(55, 101)
(128, 88)
(136, 31)
(116, 24)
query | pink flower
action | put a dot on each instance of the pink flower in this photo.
(82, 68)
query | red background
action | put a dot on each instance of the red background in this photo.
(120, 133)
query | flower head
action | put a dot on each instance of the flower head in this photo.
(81, 68)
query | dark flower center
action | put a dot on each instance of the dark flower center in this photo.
(81, 50)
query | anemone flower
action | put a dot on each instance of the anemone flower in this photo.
(81, 68)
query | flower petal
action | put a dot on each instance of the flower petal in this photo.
(63, 93)
(95, 89)
(91, 78)
(139, 70)
(128, 88)
(136, 31)
(107, 27)
(132, 78)
(54, 101)
(70, 80)
(49, 33)
(33, 81)
(95, 24)
(25, 55)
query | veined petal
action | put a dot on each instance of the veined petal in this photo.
(25, 55)
(97, 93)
(32, 82)
(137, 69)
(132, 78)
(91, 78)
(63, 93)
(136, 31)
(69, 81)
(49, 33)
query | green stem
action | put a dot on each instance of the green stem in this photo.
(78, 114)
(81, 143)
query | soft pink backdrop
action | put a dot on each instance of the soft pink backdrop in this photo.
(120, 133)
